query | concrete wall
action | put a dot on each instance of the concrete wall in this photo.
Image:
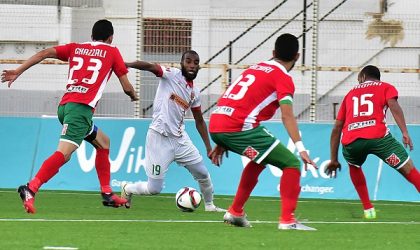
(342, 41)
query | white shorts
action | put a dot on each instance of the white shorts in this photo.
(162, 150)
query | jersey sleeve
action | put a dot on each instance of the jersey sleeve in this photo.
(391, 92)
(119, 67)
(160, 70)
(341, 116)
(63, 51)
(285, 90)
(167, 72)
(196, 104)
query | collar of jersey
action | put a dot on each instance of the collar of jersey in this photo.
(96, 43)
(189, 83)
(278, 65)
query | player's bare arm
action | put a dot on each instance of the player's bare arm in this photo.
(289, 122)
(331, 168)
(128, 88)
(398, 114)
(201, 127)
(142, 65)
(11, 75)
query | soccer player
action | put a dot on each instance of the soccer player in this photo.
(166, 139)
(361, 125)
(90, 66)
(235, 125)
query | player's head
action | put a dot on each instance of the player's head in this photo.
(369, 72)
(190, 64)
(102, 30)
(286, 49)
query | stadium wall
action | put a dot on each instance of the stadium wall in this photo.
(27, 142)
(28, 26)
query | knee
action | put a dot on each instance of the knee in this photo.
(106, 142)
(199, 171)
(406, 169)
(67, 157)
(154, 189)
(202, 176)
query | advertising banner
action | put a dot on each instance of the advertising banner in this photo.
(27, 142)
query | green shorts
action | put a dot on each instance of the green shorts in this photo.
(387, 149)
(259, 145)
(77, 122)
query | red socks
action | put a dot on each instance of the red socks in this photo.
(289, 194)
(359, 182)
(51, 166)
(48, 169)
(247, 183)
(103, 169)
(414, 178)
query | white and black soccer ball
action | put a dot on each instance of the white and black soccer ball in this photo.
(187, 199)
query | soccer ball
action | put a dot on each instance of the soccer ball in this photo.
(187, 199)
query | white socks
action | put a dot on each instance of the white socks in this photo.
(206, 188)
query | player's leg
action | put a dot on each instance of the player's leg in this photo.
(150, 187)
(73, 118)
(355, 155)
(101, 142)
(202, 176)
(187, 155)
(410, 172)
(49, 169)
(394, 154)
(159, 155)
(282, 158)
(255, 144)
(359, 182)
(247, 183)
(252, 144)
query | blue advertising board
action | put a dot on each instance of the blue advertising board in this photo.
(27, 142)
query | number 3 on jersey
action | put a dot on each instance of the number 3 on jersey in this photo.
(363, 102)
(79, 64)
(248, 80)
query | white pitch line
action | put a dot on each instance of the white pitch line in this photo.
(60, 248)
(208, 221)
(264, 199)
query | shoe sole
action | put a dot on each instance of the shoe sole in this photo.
(236, 225)
(112, 204)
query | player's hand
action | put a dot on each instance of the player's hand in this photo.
(331, 169)
(407, 142)
(306, 160)
(134, 98)
(216, 155)
(9, 76)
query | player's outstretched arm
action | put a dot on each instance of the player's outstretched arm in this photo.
(142, 65)
(398, 114)
(331, 168)
(289, 122)
(128, 88)
(10, 76)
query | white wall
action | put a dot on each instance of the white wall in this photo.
(342, 40)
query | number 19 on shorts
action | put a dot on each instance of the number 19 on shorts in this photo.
(155, 169)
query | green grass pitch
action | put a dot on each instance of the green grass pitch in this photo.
(77, 220)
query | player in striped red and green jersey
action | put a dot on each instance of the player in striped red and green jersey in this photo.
(235, 125)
